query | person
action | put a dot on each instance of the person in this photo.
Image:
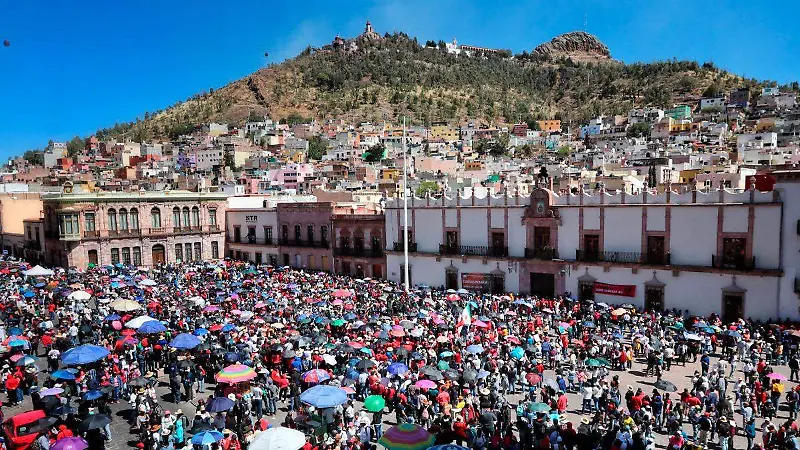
(257, 400)
(750, 432)
(794, 368)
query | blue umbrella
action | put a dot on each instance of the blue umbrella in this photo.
(588, 324)
(185, 341)
(91, 395)
(63, 375)
(445, 354)
(152, 326)
(517, 353)
(207, 437)
(84, 354)
(26, 361)
(112, 317)
(482, 374)
(231, 357)
(475, 348)
(15, 331)
(200, 332)
(228, 327)
(19, 343)
(218, 404)
(322, 396)
(397, 369)
(28, 294)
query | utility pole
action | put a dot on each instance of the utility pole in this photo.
(405, 211)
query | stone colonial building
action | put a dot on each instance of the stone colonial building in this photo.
(137, 228)
(359, 243)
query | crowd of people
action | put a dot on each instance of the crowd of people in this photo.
(345, 361)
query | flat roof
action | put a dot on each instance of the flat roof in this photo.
(133, 196)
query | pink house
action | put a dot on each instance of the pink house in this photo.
(291, 175)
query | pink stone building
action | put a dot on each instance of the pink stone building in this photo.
(132, 228)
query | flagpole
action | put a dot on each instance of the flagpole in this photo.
(405, 211)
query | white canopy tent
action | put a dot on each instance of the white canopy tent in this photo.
(38, 271)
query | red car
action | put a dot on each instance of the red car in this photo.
(18, 432)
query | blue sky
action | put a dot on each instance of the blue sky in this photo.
(76, 66)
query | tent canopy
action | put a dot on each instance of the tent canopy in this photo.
(38, 271)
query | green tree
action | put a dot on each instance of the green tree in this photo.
(564, 150)
(75, 146)
(317, 147)
(640, 129)
(442, 45)
(374, 153)
(713, 90)
(35, 157)
(426, 187)
(687, 84)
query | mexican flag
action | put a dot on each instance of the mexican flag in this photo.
(465, 319)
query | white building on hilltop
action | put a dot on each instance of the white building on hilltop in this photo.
(725, 252)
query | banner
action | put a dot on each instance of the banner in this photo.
(476, 282)
(622, 290)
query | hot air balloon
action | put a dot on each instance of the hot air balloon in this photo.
(6, 43)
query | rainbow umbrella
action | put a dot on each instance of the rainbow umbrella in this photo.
(316, 376)
(235, 373)
(407, 436)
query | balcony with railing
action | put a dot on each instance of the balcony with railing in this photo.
(399, 247)
(623, 257)
(303, 243)
(733, 262)
(473, 250)
(124, 233)
(91, 234)
(544, 253)
(364, 252)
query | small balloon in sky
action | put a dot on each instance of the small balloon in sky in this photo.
(6, 43)
(266, 55)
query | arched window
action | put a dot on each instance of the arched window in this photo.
(123, 219)
(195, 216)
(186, 216)
(176, 217)
(112, 219)
(134, 215)
(155, 218)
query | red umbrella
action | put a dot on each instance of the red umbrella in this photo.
(453, 297)
(513, 339)
(533, 378)
(342, 293)
(128, 332)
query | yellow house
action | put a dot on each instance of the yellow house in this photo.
(549, 126)
(444, 131)
(390, 174)
(687, 176)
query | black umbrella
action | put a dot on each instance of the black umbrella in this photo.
(139, 382)
(185, 364)
(401, 352)
(452, 374)
(94, 422)
(665, 385)
(346, 348)
(199, 426)
(61, 410)
(431, 373)
(43, 424)
(276, 347)
(289, 354)
(365, 364)
(231, 357)
(469, 375)
(50, 402)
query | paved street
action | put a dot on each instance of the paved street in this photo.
(680, 376)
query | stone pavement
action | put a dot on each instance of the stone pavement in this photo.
(678, 375)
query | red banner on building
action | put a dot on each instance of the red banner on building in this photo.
(476, 282)
(622, 290)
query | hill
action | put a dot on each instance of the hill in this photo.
(373, 77)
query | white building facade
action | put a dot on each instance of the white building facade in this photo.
(699, 252)
(252, 234)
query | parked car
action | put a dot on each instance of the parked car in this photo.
(19, 431)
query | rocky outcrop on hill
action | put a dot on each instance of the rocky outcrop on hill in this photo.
(577, 45)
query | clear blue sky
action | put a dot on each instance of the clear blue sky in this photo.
(79, 65)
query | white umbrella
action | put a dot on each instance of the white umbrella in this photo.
(148, 282)
(79, 295)
(38, 271)
(126, 305)
(279, 438)
(330, 359)
(138, 321)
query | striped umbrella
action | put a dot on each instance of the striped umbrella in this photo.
(407, 436)
(235, 373)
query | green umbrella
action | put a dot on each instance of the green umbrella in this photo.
(374, 403)
(337, 323)
(443, 365)
(539, 407)
(91, 265)
(597, 362)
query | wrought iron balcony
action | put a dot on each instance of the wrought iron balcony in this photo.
(473, 250)
(656, 259)
(303, 243)
(735, 262)
(350, 251)
(399, 247)
(544, 253)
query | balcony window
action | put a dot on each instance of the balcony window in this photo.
(68, 224)
(134, 215)
(186, 217)
(297, 233)
(310, 231)
(112, 219)
(88, 220)
(323, 233)
(214, 250)
(195, 217)
(212, 216)
(123, 219)
(198, 251)
(176, 217)
(178, 252)
(188, 251)
(155, 218)
(126, 256)
(268, 235)
(114, 256)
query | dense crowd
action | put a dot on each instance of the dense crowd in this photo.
(261, 351)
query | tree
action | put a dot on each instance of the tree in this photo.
(317, 147)
(713, 90)
(543, 172)
(564, 150)
(34, 157)
(657, 95)
(75, 146)
(442, 45)
(375, 153)
(687, 84)
(640, 129)
(426, 187)
(430, 43)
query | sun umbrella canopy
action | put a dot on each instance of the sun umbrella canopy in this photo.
(79, 295)
(185, 341)
(84, 354)
(126, 306)
(406, 436)
(70, 443)
(38, 271)
(152, 326)
(138, 321)
(235, 373)
(218, 404)
(63, 374)
(322, 396)
(374, 403)
(206, 437)
(279, 438)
